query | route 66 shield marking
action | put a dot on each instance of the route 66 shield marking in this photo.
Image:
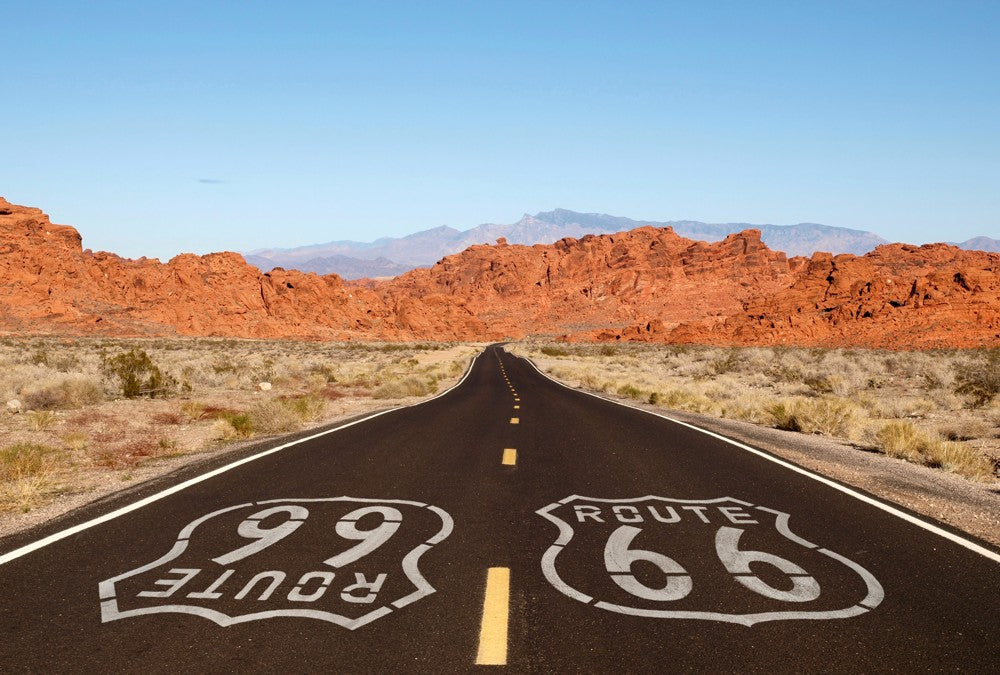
(343, 560)
(711, 559)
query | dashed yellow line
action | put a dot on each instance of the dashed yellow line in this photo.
(509, 456)
(493, 631)
(515, 420)
(517, 407)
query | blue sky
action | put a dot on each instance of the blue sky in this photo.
(157, 128)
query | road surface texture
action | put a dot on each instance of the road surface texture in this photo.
(508, 521)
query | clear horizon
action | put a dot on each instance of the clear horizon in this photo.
(163, 128)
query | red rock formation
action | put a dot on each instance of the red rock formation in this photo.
(647, 284)
(51, 285)
(599, 282)
(897, 296)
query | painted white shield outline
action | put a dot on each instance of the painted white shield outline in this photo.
(874, 591)
(111, 612)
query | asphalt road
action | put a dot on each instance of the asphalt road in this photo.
(611, 540)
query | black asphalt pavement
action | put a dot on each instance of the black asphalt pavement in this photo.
(620, 542)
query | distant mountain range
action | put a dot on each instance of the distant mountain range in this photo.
(979, 244)
(391, 256)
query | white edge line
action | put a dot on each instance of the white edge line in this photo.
(62, 534)
(930, 527)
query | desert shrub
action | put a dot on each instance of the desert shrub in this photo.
(137, 375)
(980, 381)
(727, 363)
(23, 494)
(240, 423)
(748, 409)
(630, 391)
(126, 455)
(959, 458)
(76, 440)
(828, 415)
(40, 420)
(681, 399)
(780, 372)
(24, 460)
(40, 398)
(193, 409)
(552, 350)
(821, 384)
(932, 379)
(223, 365)
(410, 386)
(608, 350)
(901, 439)
(306, 408)
(326, 371)
(907, 407)
(783, 416)
(966, 431)
(73, 391)
(169, 418)
(271, 417)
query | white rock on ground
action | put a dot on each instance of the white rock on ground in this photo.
(13, 406)
(264, 386)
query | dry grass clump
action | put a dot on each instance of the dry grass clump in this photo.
(25, 469)
(169, 418)
(125, 455)
(827, 415)
(136, 401)
(902, 439)
(272, 417)
(408, 386)
(980, 379)
(40, 420)
(278, 415)
(76, 440)
(67, 391)
(946, 400)
(25, 459)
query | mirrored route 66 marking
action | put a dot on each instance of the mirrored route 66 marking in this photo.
(713, 559)
(340, 559)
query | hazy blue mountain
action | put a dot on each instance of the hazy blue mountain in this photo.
(801, 239)
(980, 244)
(394, 255)
(355, 268)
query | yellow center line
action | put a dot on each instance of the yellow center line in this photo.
(515, 420)
(493, 631)
(517, 407)
(509, 456)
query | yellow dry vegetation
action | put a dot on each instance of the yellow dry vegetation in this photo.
(90, 411)
(936, 408)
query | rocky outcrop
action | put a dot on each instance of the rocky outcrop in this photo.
(896, 296)
(646, 284)
(51, 284)
(587, 284)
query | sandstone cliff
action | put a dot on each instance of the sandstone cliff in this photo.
(644, 284)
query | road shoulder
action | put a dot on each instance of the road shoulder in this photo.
(973, 508)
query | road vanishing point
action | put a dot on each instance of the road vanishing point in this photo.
(510, 522)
